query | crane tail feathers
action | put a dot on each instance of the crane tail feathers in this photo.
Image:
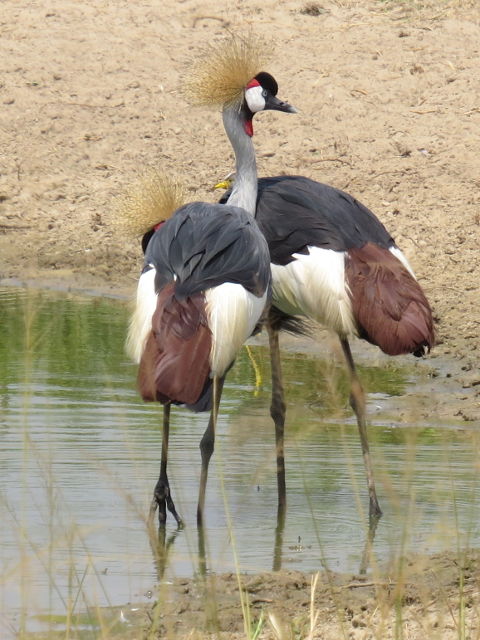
(389, 306)
(175, 362)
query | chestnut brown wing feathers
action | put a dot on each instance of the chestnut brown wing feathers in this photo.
(389, 305)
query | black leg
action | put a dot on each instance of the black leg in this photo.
(161, 495)
(357, 402)
(277, 411)
(207, 445)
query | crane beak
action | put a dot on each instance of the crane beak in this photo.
(227, 182)
(274, 104)
(224, 184)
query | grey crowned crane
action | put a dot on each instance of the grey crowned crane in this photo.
(206, 273)
(334, 262)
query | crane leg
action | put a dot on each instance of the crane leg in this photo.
(162, 497)
(207, 445)
(357, 402)
(277, 411)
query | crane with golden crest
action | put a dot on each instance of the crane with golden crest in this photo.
(206, 274)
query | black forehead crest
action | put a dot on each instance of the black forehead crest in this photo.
(268, 82)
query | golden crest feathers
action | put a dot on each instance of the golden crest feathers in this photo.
(222, 73)
(152, 198)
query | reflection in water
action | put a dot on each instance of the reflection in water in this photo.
(365, 560)
(279, 531)
(367, 549)
(161, 545)
(80, 454)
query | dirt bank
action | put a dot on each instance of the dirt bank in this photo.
(435, 597)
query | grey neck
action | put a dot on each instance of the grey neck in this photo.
(244, 192)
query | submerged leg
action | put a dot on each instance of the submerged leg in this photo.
(207, 445)
(357, 402)
(161, 494)
(277, 411)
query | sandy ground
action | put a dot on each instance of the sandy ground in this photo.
(90, 94)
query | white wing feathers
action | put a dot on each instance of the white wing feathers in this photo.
(313, 285)
(233, 313)
(141, 322)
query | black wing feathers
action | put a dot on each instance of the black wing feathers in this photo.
(205, 245)
(311, 213)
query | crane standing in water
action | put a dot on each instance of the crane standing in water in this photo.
(206, 275)
(333, 262)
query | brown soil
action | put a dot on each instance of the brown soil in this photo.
(90, 94)
(418, 599)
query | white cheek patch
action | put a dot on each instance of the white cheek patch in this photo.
(255, 99)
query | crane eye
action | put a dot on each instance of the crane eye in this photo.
(264, 93)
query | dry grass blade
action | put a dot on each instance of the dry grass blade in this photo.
(281, 630)
(313, 613)
(225, 68)
(152, 198)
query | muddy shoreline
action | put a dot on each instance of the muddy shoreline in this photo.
(358, 605)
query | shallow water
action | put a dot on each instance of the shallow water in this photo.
(80, 456)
